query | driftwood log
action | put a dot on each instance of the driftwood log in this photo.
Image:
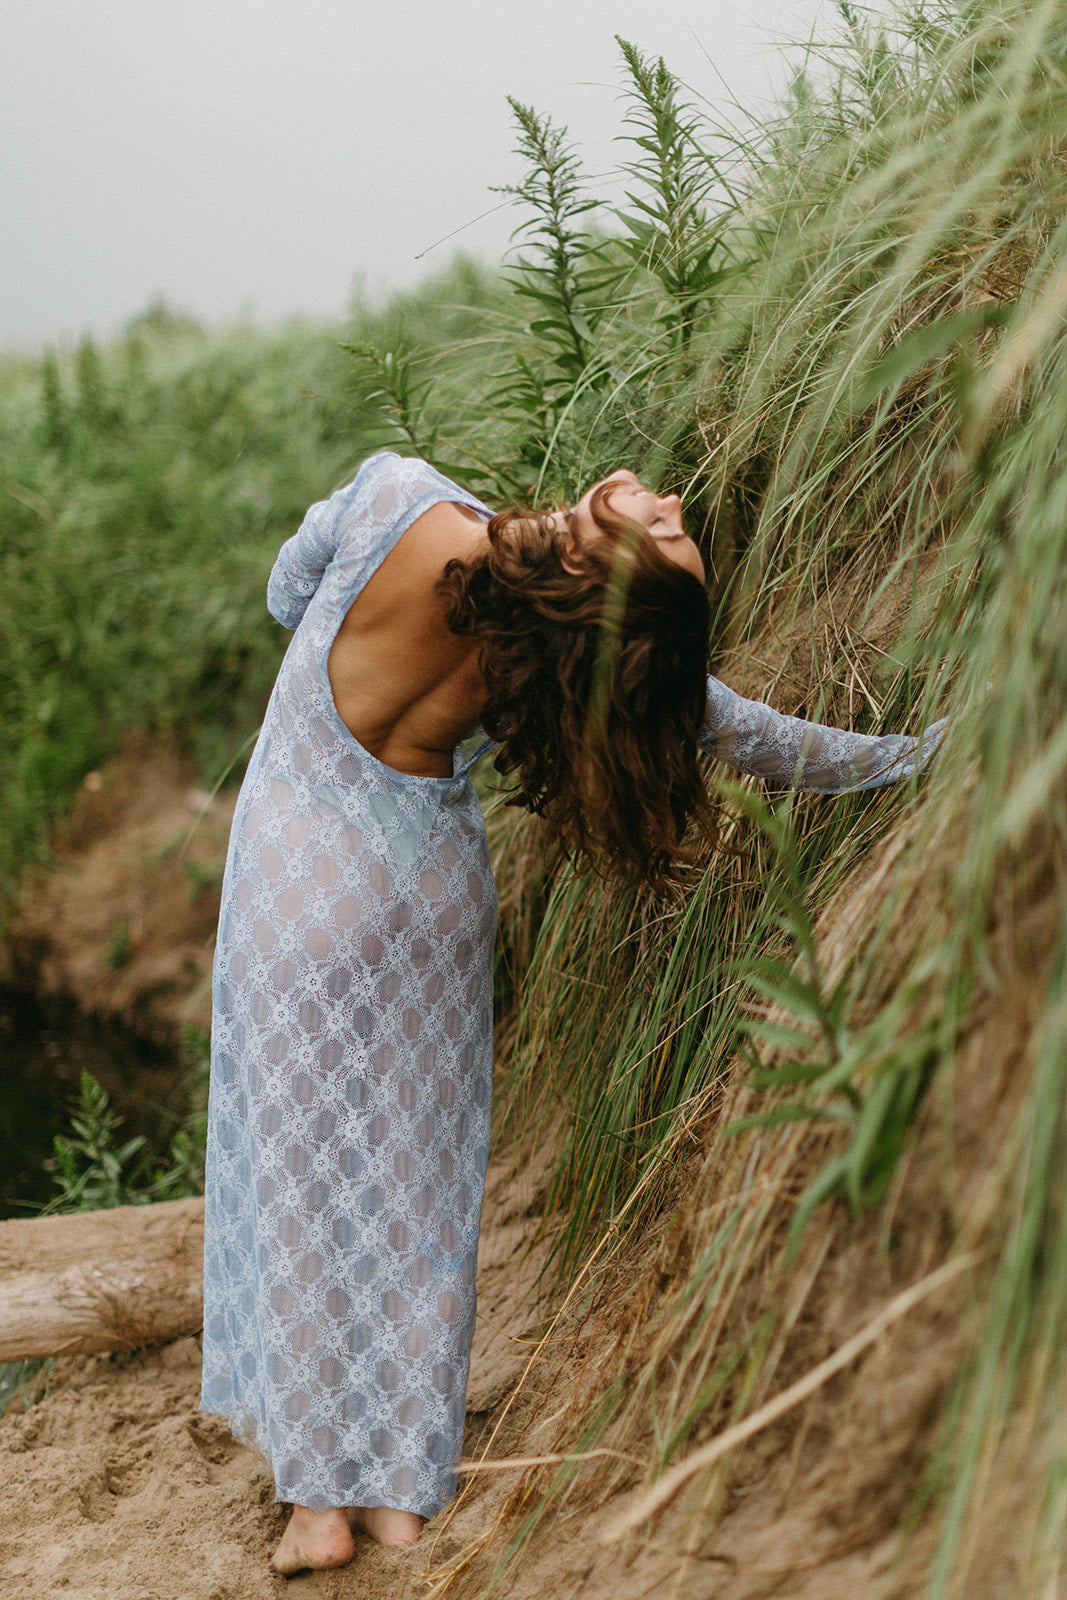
(102, 1280)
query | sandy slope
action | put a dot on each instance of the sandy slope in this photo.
(114, 1484)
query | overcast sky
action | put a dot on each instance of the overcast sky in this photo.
(254, 159)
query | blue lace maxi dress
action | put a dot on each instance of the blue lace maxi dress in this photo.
(352, 1048)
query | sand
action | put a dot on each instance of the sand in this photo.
(113, 1483)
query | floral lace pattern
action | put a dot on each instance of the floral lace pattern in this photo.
(750, 736)
(351, 1062)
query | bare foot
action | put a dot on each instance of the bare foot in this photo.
(384, 1525)
(314, 1539)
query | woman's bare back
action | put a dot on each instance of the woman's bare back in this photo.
(405, 686)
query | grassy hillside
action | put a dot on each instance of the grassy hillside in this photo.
(834, 1061)
(837, 1061)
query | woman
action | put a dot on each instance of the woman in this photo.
(351, 1043)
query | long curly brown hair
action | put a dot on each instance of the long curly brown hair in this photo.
(594, 656)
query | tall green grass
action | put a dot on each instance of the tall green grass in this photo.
(868, 407)
(840, 334)
(144, 490)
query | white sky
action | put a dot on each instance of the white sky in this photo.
(246, 158)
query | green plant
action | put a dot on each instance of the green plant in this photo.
(95, 1169)
(560, 277)
(118, 952)
(391, 381)
(25, 1382)
(669, 232)
(869, 1076)
(554, 277)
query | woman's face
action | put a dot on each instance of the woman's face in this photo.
(659, 515)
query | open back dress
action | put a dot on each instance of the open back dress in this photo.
(352, 1047)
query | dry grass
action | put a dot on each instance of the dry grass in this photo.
(878, 446)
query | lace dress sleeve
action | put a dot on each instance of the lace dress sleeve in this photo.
(750, 736)
(355, 528)
(303, 559)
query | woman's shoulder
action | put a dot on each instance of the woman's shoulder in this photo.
(408, 480)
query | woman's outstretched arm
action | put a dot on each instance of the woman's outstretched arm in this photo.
(752, 737)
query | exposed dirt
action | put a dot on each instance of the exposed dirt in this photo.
(114, 1485)
(123, 917)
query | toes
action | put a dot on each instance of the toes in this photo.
(315, 1547)
(393, 1529)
